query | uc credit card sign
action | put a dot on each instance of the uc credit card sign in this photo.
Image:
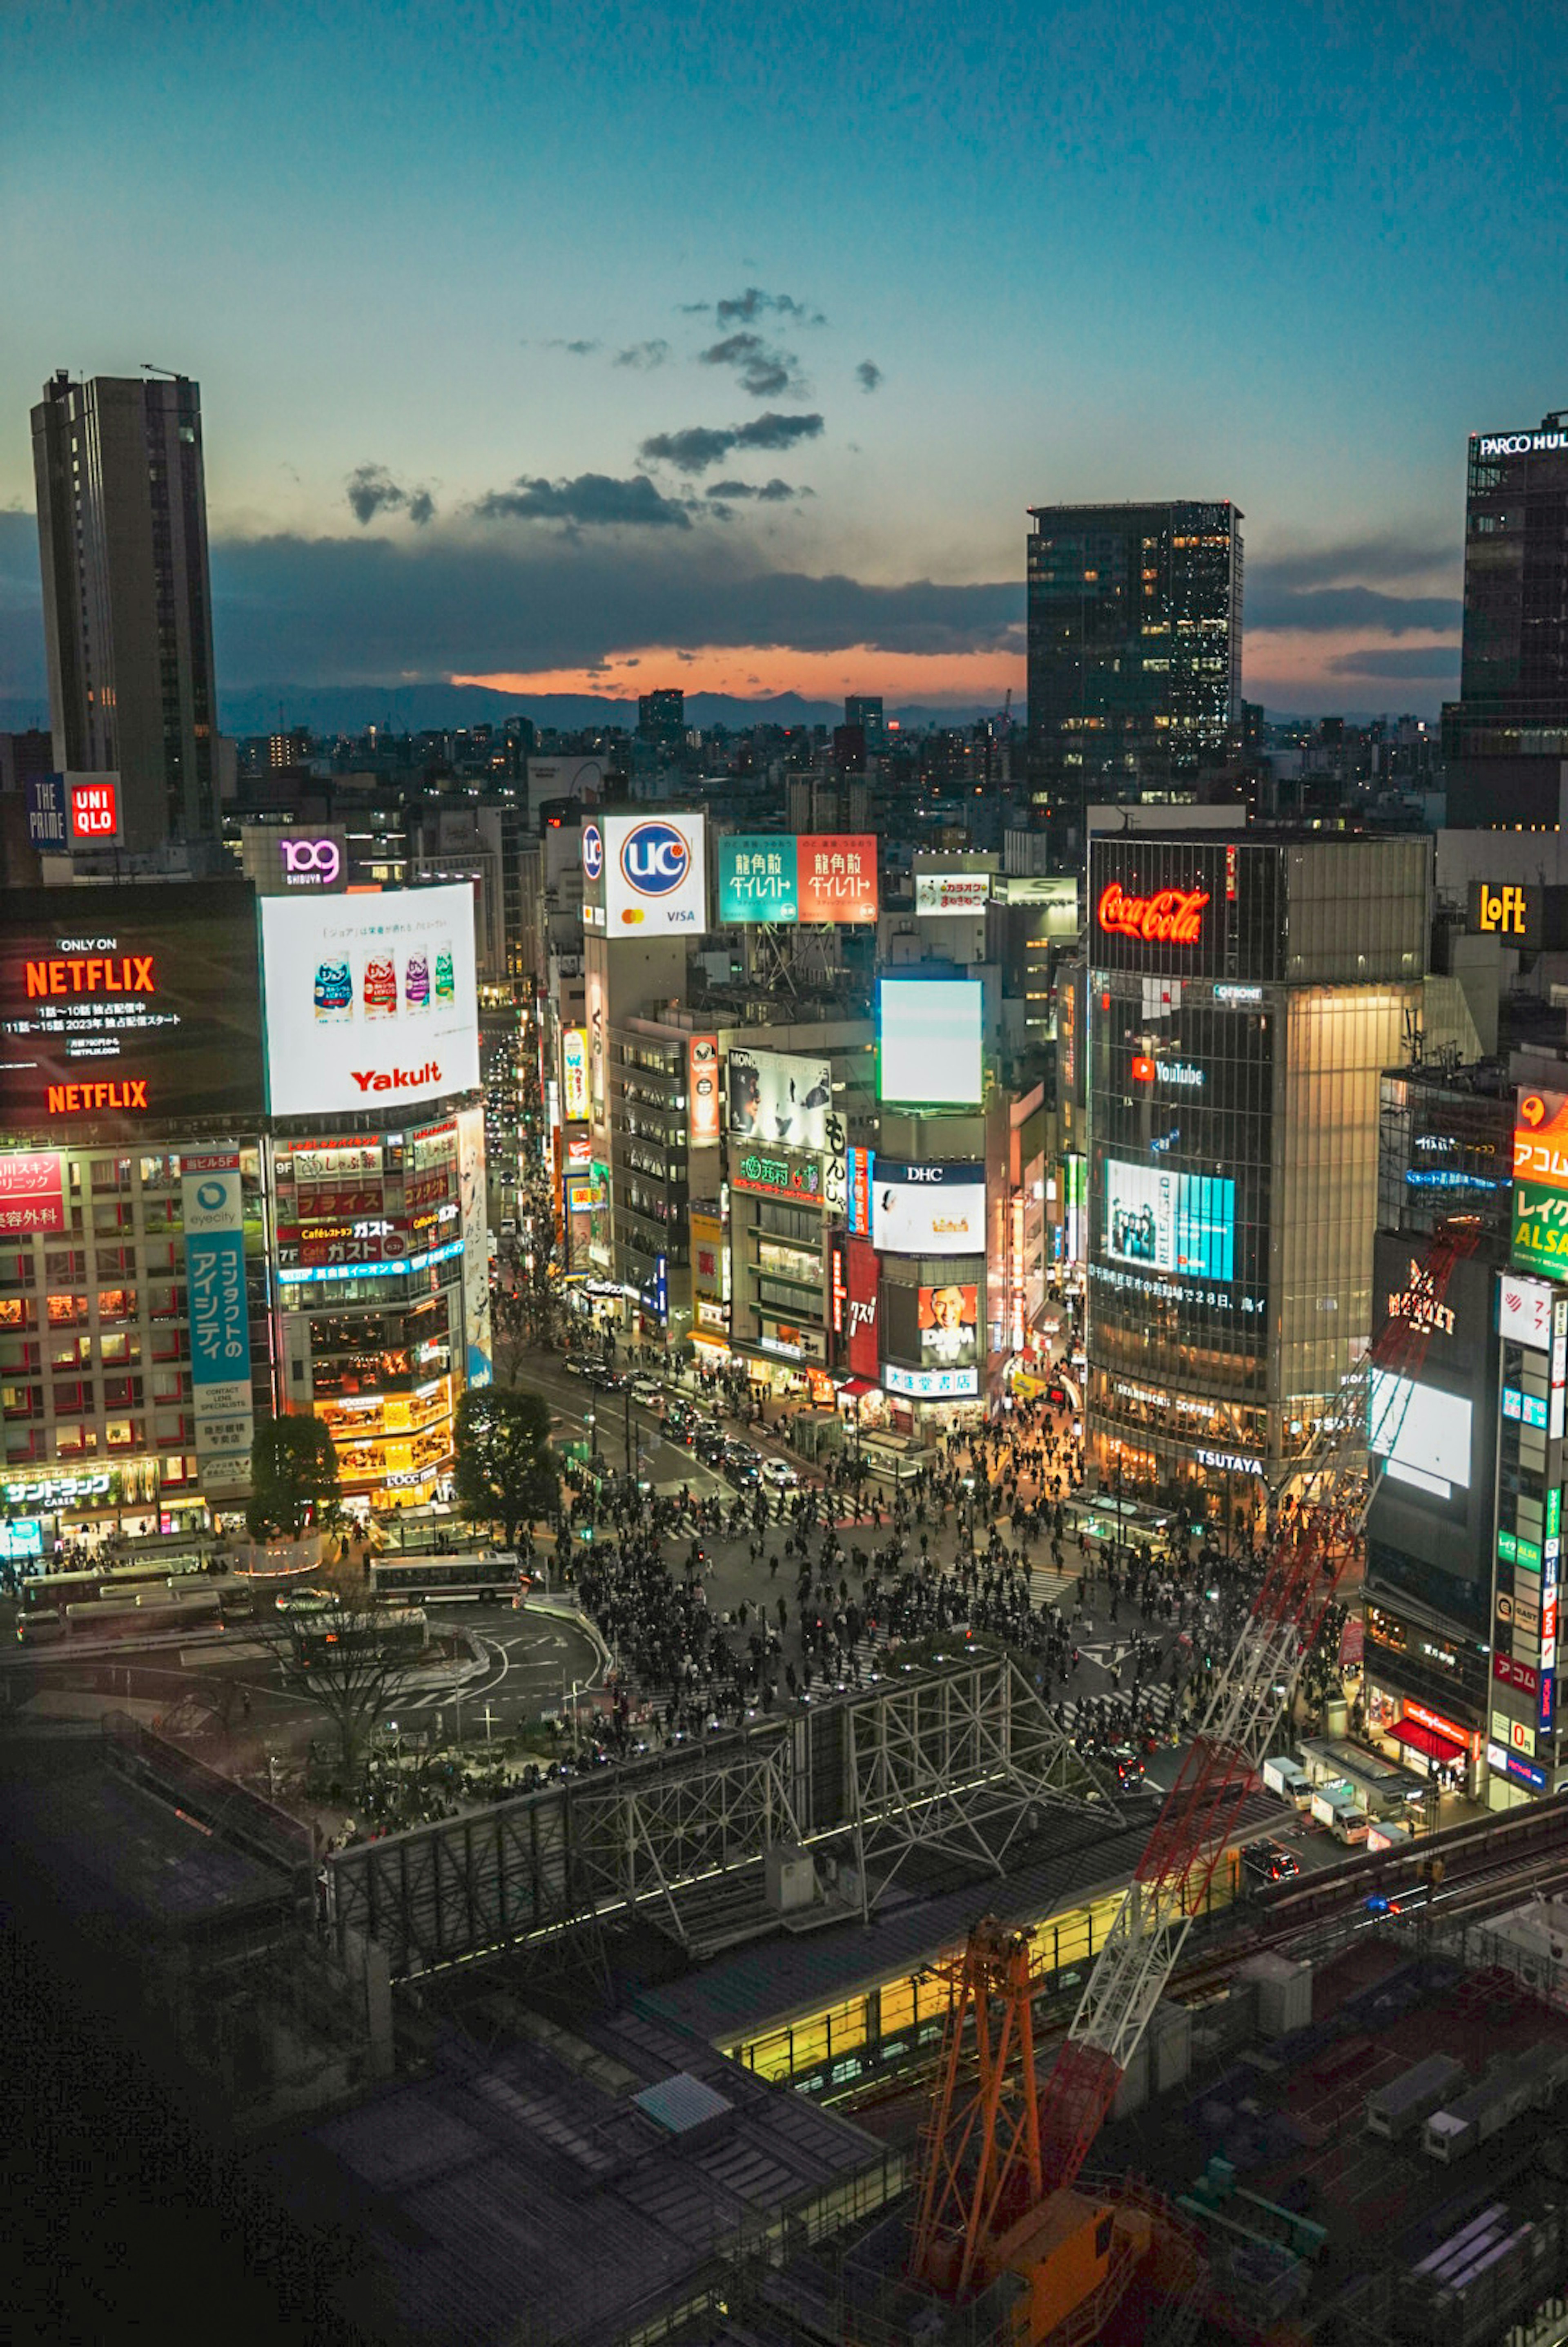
(655, 874)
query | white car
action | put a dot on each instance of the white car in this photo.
(646, 1395)
(779, 1473)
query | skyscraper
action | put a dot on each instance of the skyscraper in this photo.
(1134, 653)
(1505, 739)
(127, 607)
(661, 717)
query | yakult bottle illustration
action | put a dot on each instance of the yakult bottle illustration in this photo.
(334, 991)
(446, 984)
(380, 986)
(416, 982)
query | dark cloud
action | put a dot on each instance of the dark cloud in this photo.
(742, 309)
(1356, 561)
(577, 350)
(644, 356)
(773, 493)
(371, 490)
(592, 501)
(1413, 663)
(699, 445)
(1323, 609)
(870, 375)
(763, 371)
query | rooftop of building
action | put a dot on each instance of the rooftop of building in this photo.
(559, 2185)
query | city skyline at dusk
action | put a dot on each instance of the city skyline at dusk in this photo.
(551, 357)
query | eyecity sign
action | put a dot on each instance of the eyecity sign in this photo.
(1173, 917)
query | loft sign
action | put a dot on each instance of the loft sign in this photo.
(1171, 916)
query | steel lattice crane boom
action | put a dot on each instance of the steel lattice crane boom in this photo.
(1310, 1552)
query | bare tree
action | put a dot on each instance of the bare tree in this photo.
(343, 1655)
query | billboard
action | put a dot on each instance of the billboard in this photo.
(702, 1091)
(1541, 1183)
(47, 812)
(213, 1203)
(775, 1098)
(370, 1000)
(655, 874)
(859, 1169)
(931, 1384)
(1169, 1221)
(1524, 1311)
(929, 1032)
(1422, 1433)
(767, 1174)
(757, 877)
(94, 809)
(32, 1192)
(836, 875)
(862, 1279)
(475, 1255)
(128, 1006)
(928, 1209)
(817, 876)
(587, 1198)
(941, 895)
(575, 1094)
(949, 1326)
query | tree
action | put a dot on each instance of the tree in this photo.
(293, 1478)
(504, 1473)
(339, 1658)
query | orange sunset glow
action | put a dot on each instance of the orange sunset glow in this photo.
(758, 671)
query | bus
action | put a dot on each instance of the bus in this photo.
(142, 1612)
(389, 1634)
(449, 1579)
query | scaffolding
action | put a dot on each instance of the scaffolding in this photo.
(963, 1759)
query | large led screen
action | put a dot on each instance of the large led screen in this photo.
(949, 1326)
(371, 1001)
(776, 1097)
(930, 1031)
(1424, 1435)
(1166, 1220)
(928, 1209)
(124, 1007)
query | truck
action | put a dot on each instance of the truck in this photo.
(1336, 1807)
(1286, 1777)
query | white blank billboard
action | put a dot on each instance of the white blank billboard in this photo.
(930, 1031)
(1423, 1434)
(370, 1000)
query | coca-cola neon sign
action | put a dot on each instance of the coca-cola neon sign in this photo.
(1173, 917)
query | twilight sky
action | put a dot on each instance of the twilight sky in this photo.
(586, 348)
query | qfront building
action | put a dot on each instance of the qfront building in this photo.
(1245, 992)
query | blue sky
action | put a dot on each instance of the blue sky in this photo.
(903, 271)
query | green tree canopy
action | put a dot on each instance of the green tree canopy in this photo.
(504, 1473)
(293, 1478)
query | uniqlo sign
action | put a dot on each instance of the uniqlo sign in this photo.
(94, 804)
(863, 1270)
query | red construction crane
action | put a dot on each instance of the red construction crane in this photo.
(983, 2162)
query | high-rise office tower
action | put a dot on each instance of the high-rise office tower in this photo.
(661, 717)
(865, 710)
(1134, 653)
(127, 607)
(1505, 739)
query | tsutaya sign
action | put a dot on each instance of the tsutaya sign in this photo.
(1173, 917)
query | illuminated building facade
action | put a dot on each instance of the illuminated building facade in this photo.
(1244, 994)
(1135, 616)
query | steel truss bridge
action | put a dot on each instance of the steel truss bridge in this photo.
(960, 1758)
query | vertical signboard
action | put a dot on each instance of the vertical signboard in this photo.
(575, 1093)
(47, 812)
(212, 1204)
(1541, 1183)
(703, 1120)
(863, 1277)
(475, 1248)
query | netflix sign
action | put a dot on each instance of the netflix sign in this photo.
(862, 1334)
(122, 1007)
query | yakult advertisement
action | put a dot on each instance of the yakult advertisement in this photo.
(370, 1000)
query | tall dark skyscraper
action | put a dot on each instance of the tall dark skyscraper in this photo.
(1134, 653)
(1505, 739)
(127, 607)
(661, 717)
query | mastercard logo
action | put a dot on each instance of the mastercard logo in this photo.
(631, 915)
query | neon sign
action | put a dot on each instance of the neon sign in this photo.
(1171, 916)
